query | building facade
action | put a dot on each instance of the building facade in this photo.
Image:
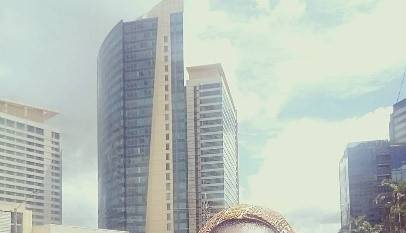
(212, 144)
(362, 169)
(398, 162)
(397, 125)
(142, 124)
(30, 161)
(52, 228)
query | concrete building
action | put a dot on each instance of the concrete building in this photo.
(30, 161)
(212, 144)
(397, 125)
(15, 218)
(362, 169)
(142, 124)
(51, 228)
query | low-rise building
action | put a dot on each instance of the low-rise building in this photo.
(15, 218)
(52, 228)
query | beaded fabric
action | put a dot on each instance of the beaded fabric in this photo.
(248, 213)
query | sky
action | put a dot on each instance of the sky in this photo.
(307, 76)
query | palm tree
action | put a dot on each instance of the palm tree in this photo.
(393, 202)
(361, 225)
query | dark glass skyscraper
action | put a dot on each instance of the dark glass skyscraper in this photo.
(362, 169)
(142, 124)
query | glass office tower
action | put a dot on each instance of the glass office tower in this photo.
(212, 144)
(142, 124)
(362, 169)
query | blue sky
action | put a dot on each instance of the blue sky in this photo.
(307, 77)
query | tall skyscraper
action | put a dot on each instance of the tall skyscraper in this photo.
(212, 144)
(397, 125)
(142, 124)
(30, 161)
(362, 169)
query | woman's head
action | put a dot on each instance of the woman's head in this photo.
(242, 227)
(247, 219)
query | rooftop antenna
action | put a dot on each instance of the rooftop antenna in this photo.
(401, 85)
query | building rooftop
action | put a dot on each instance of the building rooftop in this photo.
(206, 71)
(202, 70)
(400, 104)
(27, 112)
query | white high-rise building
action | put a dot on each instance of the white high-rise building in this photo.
(30, 161)
(212, 144)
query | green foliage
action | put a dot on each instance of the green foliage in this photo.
(393, 202)
(361, 225)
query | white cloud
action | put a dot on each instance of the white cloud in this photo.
(300, 166)
(288, 11)
(263, 5)
(80, 199)
(286, 52)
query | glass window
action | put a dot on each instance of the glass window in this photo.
(39, 131)
(210, 93)
(210, 107)
(211, 136)
(30, 129)
(211, 129)
(55, 135)
(210, 85)
(210, 100)
(211, 114)
(11, 123)
(20, 126)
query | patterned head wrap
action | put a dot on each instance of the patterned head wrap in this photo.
(248, 214)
